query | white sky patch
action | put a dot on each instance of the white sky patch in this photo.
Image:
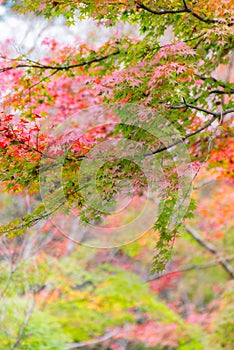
(29, 31)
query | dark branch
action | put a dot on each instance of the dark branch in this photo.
(212, 249)
(219, 82)
(38, 65)
(216, 115)
(162, 12)
(185, 9)
(190, 268)
(186, 105)
(221, 92)
(205, 20)
(30, 148)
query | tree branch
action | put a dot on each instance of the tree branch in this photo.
(220, 83)
(190, 268)
(221, 92)
(185, 9)
(38, 65)
(43, 215)
(216, 115)
(32, 221)
(24, 325)
(30, 148)
(103, 338)
(162, 12)
(200, 109)
(212, 249)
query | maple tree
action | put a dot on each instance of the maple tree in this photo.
(174, 114)
(134, 70)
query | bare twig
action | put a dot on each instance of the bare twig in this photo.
(216, 115)
(212, 249)
(103, 338)
(191, 268)
(44, 215)
(24, 325)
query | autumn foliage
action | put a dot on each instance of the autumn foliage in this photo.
(139, 115)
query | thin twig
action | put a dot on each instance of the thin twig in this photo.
(103, 338)
(212, 249)
(31, 148)
(24, 325)
(191, 268)
(216, 115)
